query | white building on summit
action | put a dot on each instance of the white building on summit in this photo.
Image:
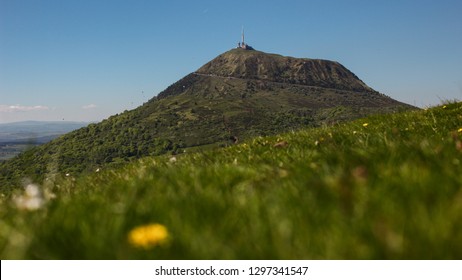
(243, 45)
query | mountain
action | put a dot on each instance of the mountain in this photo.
(237, 95)
(244, 93)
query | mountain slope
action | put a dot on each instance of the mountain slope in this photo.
(239, 94)
(245, 93)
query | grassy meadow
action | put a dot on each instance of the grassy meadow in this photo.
(383, 187)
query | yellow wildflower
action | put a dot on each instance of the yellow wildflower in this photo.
(444, 107)
(459, 130)
(148, 236)
(365, 124)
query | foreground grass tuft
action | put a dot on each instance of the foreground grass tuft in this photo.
(385, 187)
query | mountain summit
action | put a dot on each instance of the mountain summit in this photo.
(256, 65)
(241, 93)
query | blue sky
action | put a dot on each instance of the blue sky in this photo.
(86, 60)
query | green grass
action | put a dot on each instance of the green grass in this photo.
(391, 189)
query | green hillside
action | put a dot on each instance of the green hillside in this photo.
(383, 187)
(238, 95)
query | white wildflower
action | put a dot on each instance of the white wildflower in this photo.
(32, 190)
(31, 200)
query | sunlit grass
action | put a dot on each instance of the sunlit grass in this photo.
(385, 187)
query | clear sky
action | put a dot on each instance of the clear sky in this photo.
(88, 59)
